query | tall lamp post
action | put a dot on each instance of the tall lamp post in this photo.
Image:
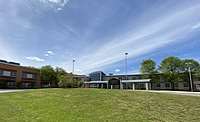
(126, 55)
(190, 76)
(73, 66)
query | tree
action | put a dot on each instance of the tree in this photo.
(171, 67)
(148, 67)
(59, 72)
(48, 74)
(194, 65)
(68, 81)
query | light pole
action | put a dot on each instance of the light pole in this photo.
(190, 76)
(100, 76)
(126, 54)
(73, 66)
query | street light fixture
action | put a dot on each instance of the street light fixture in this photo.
(73, 66)
(190, 76)
(126, 54)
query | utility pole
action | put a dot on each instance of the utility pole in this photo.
(190, 77)
(126, 54)
(73, 66)
(100, 76)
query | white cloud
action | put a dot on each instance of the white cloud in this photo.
(168, 29)
(48, 53)
(56, 3)
(59, 9)
(196, 26)
(117, 70)
(34, 58)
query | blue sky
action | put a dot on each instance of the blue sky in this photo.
(97, 33)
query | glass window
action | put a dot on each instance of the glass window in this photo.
(6, 73)
(29, 75)
(14, 74)
(167, 85)
(176, 84)
(158, 85)
(186, 85)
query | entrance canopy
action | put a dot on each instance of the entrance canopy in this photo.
(136, 81)
(96, 82)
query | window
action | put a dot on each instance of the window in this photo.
(158, 85)
(14, 74)
(28, 75)
(6, 73)
(186, 85)
(11, 84)
(167, 85)
(176, 85)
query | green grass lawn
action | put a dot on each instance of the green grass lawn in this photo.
(93, 105)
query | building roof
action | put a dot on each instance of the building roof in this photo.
(136, 81)
(93, 82)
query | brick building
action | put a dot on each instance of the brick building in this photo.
(12, 75)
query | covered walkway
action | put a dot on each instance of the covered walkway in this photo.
(96, 84)
(141, 84)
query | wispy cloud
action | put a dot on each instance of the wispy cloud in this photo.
(96, 33)
(167, 30)
(49, 53)
(59, 4)
(196, 26)
(34, 58)
(117, 70)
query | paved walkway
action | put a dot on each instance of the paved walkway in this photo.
(10, 90)
(177, 92)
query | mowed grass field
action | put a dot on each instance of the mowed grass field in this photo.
(96, 105)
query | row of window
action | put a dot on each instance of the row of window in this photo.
(28, 75)
(7, 73)
(167, 85)
(14, 74)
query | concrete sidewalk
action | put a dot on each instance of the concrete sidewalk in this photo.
(176, 92)
(10, 90)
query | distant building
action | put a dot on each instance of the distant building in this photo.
(141, 81)
(12, 75)
(97, 76)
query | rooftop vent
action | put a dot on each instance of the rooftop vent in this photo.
(14, 63)
(3, 61)
(6, 62)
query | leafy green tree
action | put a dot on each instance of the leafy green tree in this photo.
(148, 67)
(171, 67)
(59, 72)
(68, 81)
(194, 65)
(48, 74)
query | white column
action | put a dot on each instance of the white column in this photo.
(107, 85)
(102, 86)
(147, 87)
(111, 86)
(133, 86)
(150, 86)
